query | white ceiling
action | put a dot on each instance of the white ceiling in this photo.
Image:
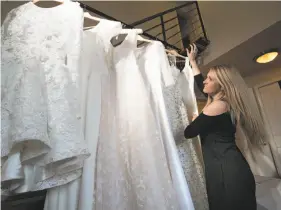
(242, 55)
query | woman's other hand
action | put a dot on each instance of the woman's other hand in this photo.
(192, 59)
(192, 53)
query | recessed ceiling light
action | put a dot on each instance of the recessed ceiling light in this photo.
(266, 56)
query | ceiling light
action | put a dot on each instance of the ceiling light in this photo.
(266, 56)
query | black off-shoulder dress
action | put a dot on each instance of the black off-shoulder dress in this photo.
(229, 180)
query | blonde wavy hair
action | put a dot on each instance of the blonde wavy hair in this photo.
(235, 92)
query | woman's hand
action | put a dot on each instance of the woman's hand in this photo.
(192, 53)
(192, 58)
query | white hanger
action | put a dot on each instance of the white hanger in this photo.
(140, 38)
(123, 33)
(174, 53)
(126, 31)
(170, 52)
(88, 16)
(59, 1)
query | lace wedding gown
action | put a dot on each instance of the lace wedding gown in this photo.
(155, 69)
(180, 105)
(42, 143)
(94, 66)
(97, 55)
(132, 170)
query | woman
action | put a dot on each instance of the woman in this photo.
(230, 182)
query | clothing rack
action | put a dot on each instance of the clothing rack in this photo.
(125, 25)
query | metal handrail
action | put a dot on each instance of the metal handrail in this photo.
(171, 27)
(195, 33)
(173, 35)
(161, 23)
(160, 14)
(149, 29)
(200, 18)
(167, 21)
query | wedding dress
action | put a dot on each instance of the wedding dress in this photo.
(95, 60)
(186, 84)
(42, 142)
(188, 149)
(132, 170)
(99, 53)
(155, 69)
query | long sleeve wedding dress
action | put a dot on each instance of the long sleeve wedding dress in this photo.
(42, 141)
(155, 69)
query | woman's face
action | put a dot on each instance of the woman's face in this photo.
(211, 85)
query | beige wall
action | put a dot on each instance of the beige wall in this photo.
(131, 11)
(263, 163)
(228, 24)
(265, 76)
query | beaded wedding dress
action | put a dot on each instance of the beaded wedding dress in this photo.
(154, 66)
(96, 55)
(132, 169)
(181, 105)
(42, 141)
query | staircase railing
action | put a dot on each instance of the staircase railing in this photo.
(177, 27)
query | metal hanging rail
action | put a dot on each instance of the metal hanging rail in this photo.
(93, 10)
